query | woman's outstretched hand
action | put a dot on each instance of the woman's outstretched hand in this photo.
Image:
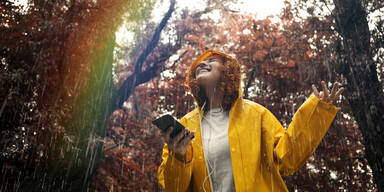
(327, 96)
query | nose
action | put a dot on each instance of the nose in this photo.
(203, 64)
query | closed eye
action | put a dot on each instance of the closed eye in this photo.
(212, 59)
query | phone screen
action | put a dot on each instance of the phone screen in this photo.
(165, 121)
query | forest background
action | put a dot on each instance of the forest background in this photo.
(76, 105)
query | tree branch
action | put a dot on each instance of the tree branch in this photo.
(155, 38)
(146, 76)
(251, 78)
(178, 59)
(4, 104)
(138, 76)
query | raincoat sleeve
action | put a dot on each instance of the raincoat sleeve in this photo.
(293, 146)
(173, 174)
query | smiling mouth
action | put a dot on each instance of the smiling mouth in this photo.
(203, 71)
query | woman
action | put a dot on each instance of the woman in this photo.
(239, 145)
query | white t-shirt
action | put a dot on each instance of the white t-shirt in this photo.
(214, 126)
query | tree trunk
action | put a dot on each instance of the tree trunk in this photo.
(364, 92)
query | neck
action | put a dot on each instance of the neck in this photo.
(215, 97)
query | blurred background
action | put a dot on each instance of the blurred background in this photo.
(81, 81)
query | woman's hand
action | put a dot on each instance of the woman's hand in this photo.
(180, 142)
(325, 95)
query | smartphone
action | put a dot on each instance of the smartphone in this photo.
(165, 121)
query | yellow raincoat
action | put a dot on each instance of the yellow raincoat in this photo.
(261, 150)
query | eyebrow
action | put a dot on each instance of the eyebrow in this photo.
(213, 58)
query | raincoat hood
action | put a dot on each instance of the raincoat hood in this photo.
(230, 81)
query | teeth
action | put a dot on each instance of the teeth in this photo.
(202, 71)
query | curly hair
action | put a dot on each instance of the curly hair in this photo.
(229, 82)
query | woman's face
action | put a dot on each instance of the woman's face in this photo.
(208, 71)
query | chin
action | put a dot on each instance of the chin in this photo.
(200, 78)
(205, 82)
